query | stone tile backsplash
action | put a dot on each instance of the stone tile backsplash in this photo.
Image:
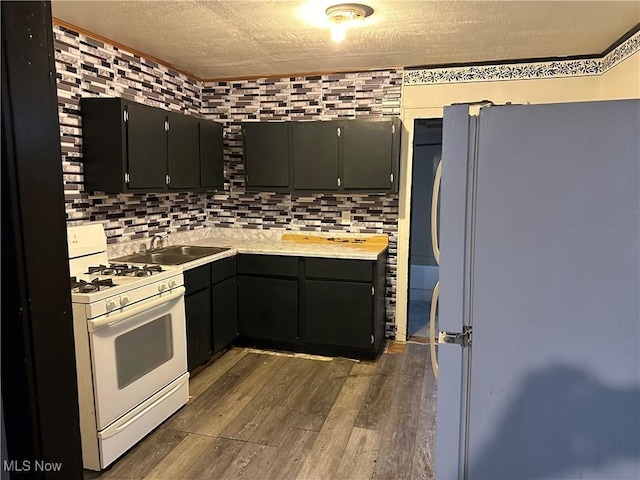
(90, 68)
(351, 95)
(87, 67)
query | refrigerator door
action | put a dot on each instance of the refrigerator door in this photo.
(457, 173)
(554, 299)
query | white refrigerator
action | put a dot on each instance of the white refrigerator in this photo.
(540, 268)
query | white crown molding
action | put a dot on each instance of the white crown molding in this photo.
(525, 71)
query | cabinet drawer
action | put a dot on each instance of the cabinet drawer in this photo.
(197, 279)
(223, 269)
(340, 269)
(278, 266)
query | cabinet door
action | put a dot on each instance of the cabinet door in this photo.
(104, 145)
(268, 308)
(211, 155)
(315, 156)
(184, 152)
(198, 313)
(367, 154)
(146, 147)
(266, 155)
(225, 313)
(339, 313)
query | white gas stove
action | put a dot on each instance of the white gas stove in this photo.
(130, 338)
(107, 287)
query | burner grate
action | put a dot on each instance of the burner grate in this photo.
(122, 269)
(82, 286)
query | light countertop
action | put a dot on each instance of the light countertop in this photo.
(355, 246)
(295, 244)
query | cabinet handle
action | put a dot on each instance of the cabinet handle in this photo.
(168, 179)
(393, 129)
(125, 115)
(338, 182)
(391, 178)
(338, 131)
(126, 178)
(372, 339)
(166, 126)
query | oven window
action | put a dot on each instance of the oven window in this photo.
(141, 350)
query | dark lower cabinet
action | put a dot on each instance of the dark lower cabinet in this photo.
(268, 308)
(198, 313)
(344, 303)
(339, 313)
(211, 309)
(224, 295)
(317, 305)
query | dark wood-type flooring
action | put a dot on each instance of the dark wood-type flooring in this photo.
(256, 415)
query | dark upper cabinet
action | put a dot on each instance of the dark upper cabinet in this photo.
(370, 152)
(266, 155)
(211, 155)
(315, 156)
(183, 152)
(129, 147)
(361, 155)
(146, 146)
(124, 146)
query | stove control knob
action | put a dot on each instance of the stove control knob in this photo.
(124, 300)
(162, 287)
(172, 283)
(111, 305)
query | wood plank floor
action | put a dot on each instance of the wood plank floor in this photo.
(258, 415)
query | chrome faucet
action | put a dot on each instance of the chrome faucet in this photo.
(160, 238)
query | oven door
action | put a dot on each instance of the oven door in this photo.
(136, 352)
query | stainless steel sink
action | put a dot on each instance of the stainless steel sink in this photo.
(175, 255)
(192, 250)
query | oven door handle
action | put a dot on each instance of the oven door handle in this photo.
(141, 308)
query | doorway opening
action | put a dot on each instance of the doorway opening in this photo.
(423, 268)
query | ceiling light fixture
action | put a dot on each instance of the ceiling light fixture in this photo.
(346, 15)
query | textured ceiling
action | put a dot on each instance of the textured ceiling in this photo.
(244, 38)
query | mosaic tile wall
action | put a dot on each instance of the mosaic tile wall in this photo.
(87, 67)
(354, 95)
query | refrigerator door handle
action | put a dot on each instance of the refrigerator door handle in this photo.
(433, 338)
(434, 213)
